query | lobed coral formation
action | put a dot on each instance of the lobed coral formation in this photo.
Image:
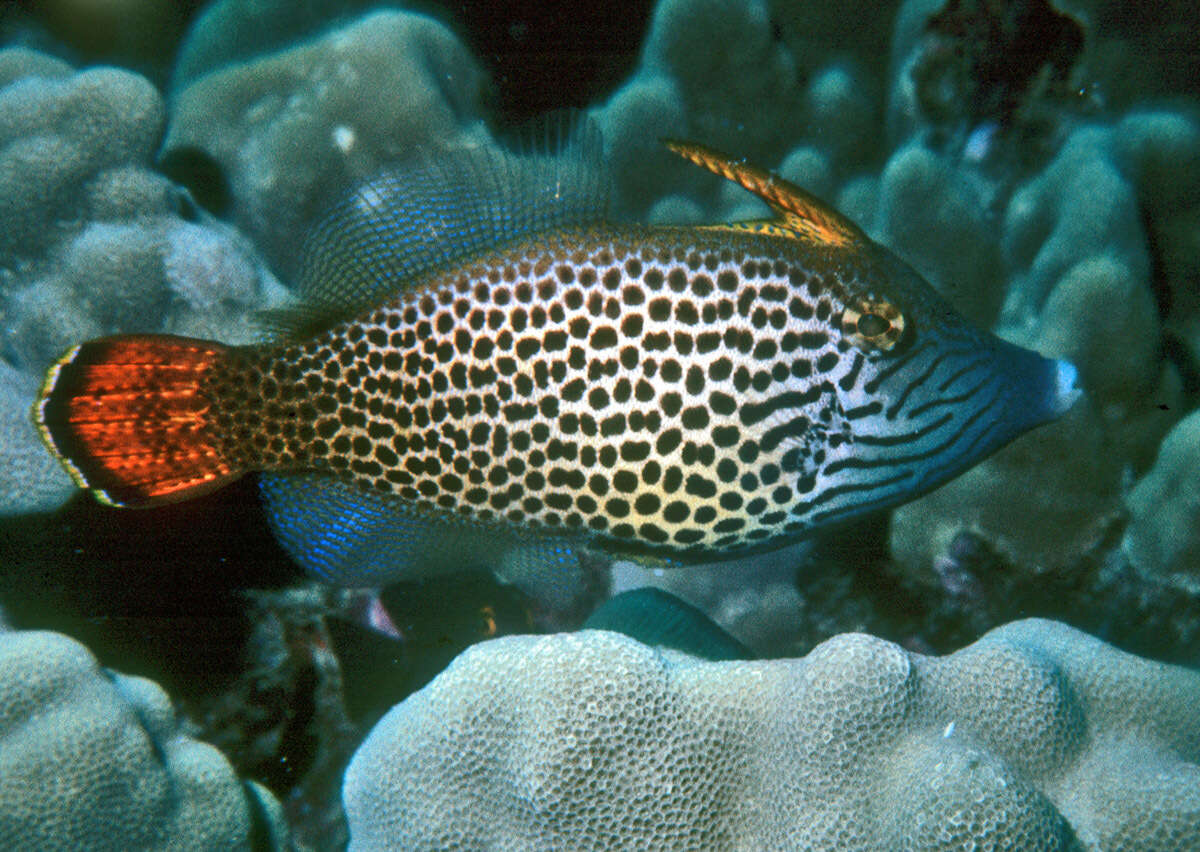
(231, 31)
(95, 242)
(1035, 737)
(768, 93)
(1074, 241)
(1086, 222)
(1163, 537)
(92, 759)
(294, 128)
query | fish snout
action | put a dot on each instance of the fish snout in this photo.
(1040, 389)
(1066, 390)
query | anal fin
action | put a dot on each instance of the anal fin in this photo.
(348, 536)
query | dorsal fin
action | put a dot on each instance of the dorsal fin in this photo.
(799, 214)
(439, 207)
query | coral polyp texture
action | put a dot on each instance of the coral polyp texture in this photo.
(95, 242)
(1035, 737)
(92, 759)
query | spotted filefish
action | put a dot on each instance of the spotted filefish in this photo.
(487, 363)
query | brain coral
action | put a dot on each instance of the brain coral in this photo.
(1035, 737)
(91, 759)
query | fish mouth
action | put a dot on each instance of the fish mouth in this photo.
(1039, 389)
(1025, 390)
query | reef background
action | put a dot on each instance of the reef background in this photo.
(1039, 162)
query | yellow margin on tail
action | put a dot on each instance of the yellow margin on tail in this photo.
(39, 420)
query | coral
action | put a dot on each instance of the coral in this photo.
(860, 30)
(752, 68)
(1163, 537)
(231, 31)
(762, 95)
(1160, 151)
(95, 242)
(27, 470)
(1097, 263)
(283, 720)
(58, 129)
(1137, 53)
(1080, 206)
(645, 109)
(92, 759)
(1035, 737)
(1076, 250)
(926, 202)
(961, 64)
(294, 128)
(956, 62)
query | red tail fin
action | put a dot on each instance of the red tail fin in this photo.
(127, 418)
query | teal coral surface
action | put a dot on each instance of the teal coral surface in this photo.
(92, 759)
(1034, 737)
(1037, 160)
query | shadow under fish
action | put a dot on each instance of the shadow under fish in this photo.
(429, 625)
(487, 371)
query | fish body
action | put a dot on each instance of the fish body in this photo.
(676, 392)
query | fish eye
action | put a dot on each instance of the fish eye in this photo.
(873, 325)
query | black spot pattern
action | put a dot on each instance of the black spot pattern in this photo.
(597, 380)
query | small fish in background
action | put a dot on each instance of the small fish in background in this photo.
(429, 623)
(660, 619)
(489, 372)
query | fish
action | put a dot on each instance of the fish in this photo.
(488, 365)
(660, 619)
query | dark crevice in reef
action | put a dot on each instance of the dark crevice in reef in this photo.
(979, 589)
(995, 56)
(156, 593)
(533, 49)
